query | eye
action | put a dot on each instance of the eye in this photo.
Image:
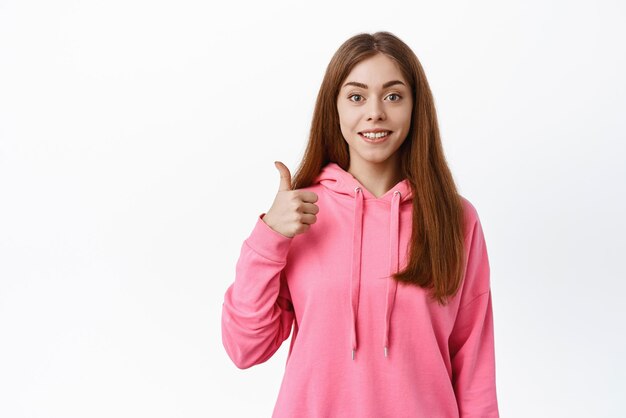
(395, 94)
(352, 95)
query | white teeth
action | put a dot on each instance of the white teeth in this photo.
(376, 135)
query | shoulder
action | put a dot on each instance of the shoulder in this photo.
(470, 214)
(469, 210)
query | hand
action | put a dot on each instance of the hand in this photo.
(293, 211)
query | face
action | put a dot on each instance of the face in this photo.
(374, 97)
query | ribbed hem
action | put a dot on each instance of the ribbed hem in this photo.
(269, 243)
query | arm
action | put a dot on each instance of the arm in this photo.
(471, 342)
(257, 313)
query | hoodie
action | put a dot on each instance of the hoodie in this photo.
(362, 344)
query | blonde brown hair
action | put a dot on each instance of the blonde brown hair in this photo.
(436, 253)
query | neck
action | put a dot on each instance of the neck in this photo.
(377, 178)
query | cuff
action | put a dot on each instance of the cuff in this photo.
(269, 243)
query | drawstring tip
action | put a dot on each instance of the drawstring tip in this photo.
(353, 354)
(385, 351)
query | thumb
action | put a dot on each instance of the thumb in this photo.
(285, 176)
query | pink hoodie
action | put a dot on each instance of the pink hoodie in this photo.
(363, 345)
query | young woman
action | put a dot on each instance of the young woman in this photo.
(371, 255)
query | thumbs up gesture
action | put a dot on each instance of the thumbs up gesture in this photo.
(293, 211)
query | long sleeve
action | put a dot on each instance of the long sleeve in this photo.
(471, 342)
(257, 312)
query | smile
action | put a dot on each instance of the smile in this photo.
(375, 138)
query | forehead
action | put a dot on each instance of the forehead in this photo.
(375, 70)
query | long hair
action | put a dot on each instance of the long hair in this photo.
(436, 250)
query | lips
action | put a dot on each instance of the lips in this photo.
(375, 140)
(375, 131)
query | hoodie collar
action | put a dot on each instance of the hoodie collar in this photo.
(337, 180)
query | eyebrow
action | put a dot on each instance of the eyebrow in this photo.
(364, 86)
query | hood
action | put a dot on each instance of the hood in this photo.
(337, 180)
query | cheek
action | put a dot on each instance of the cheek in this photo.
(404, 117)
(344, 125)
(407, 122)
(348, 120)
(353, 117)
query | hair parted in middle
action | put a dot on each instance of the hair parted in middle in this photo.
(436, 251)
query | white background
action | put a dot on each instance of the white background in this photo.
(137, 141)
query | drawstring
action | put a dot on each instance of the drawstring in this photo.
(356, 261)
(392, 284)
(355, 279)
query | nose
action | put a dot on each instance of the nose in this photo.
(375, 110)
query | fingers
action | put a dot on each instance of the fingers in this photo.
(311, 208)
(306, 196)
(294, 212)
(307, 219)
